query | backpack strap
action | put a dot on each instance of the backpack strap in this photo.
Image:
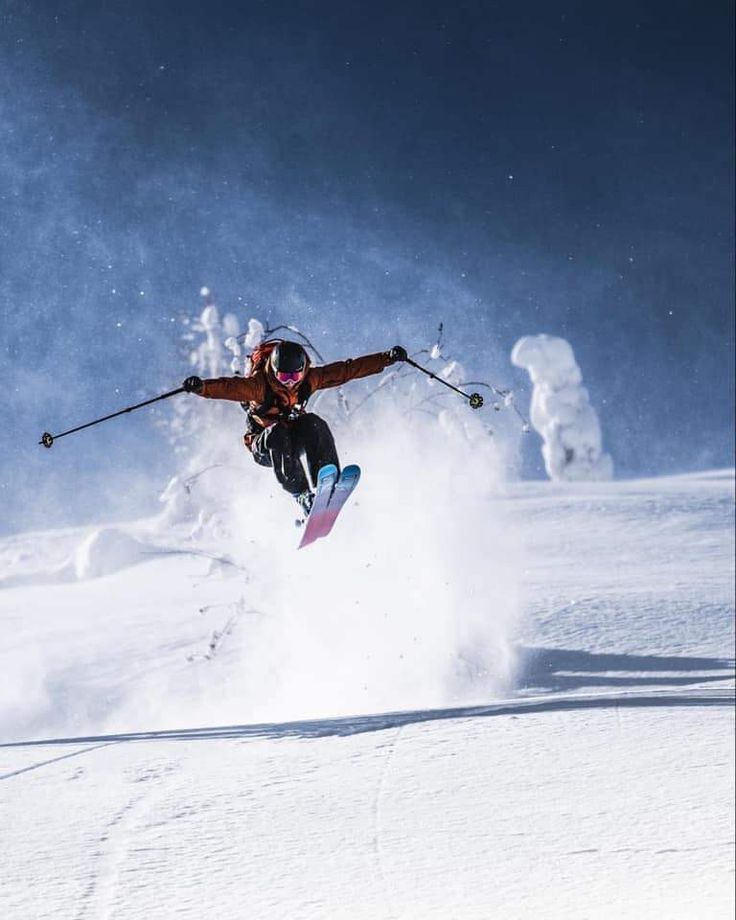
(303, 394)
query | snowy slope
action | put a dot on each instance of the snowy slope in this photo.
(555, 679)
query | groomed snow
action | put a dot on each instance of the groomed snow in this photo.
(575, 760)
(555, 813)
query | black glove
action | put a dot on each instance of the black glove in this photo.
(397, 353)
(193, 385)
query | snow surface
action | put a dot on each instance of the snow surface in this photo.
(551, 664)
(561, 411)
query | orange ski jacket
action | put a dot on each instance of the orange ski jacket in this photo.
(268, 400)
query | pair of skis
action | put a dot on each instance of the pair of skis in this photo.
(333, 490)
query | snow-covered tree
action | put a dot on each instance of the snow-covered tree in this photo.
(561, 411)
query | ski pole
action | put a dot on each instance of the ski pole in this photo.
(48, 439)
(474, 399)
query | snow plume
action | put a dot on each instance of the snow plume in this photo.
(561, 410)
(411, 602)
(207, 614)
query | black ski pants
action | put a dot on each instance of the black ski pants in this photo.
(296, 449)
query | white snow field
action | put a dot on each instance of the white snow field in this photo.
(190, 727)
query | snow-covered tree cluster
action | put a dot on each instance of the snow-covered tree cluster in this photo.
(561, 411)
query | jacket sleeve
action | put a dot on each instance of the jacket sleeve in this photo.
(239, 389)
(339, 372)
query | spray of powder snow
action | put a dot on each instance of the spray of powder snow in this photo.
(412, 602)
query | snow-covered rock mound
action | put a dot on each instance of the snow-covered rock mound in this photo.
(106, 551)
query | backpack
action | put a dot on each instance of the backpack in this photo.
(260, 355)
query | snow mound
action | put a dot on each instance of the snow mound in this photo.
(106, 551)
(561, 410)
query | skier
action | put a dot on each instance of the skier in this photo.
(280, 433)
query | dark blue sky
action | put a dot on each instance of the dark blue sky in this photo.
(365, 170)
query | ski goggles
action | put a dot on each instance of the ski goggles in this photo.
(287, 376)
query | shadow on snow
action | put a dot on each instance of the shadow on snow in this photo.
(351, 725)
(563, 670)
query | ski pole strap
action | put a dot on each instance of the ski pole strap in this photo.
(474, 399)
(48, 439)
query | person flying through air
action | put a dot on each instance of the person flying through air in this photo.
(280, 431)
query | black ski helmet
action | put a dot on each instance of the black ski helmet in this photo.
(289, 357)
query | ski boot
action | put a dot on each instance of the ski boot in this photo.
(305, 501)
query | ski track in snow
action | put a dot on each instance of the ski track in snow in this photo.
(377, 821)
(115, 842)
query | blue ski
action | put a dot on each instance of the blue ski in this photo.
(343, 490)
(326, 481)
(330, 497)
